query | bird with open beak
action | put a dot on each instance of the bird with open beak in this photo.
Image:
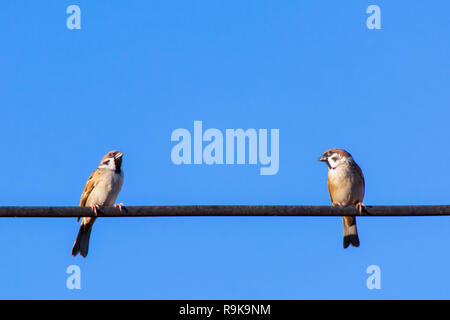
(346, 187)
(101, 190)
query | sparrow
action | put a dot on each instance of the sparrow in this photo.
(346, 187)
(101, 190)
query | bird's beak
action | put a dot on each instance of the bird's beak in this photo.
(322, 158)
(118, 155)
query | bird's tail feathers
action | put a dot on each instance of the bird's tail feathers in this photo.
(350, 232)
(81, 244)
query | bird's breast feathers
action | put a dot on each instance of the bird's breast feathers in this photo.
(104, 188)
(346, 185)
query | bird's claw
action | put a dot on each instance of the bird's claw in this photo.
(120, 206)
(360, 206)
(95, 209)
(336, 204)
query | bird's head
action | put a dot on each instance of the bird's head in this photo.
(335, 158)
(112, 161)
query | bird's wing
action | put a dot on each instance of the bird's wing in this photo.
(331, 188)
(90, 184)
(363, 183)
(360, 174)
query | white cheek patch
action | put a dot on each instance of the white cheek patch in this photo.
(110, 165)
(331, 162)
(335, 163)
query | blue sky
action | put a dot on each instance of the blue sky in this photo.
(137, 70)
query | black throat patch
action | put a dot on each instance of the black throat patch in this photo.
(118, 164)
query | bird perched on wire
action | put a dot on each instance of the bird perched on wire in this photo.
(346, 187)
(101, 190)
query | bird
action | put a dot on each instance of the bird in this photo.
(346, 186)
(101, 190)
